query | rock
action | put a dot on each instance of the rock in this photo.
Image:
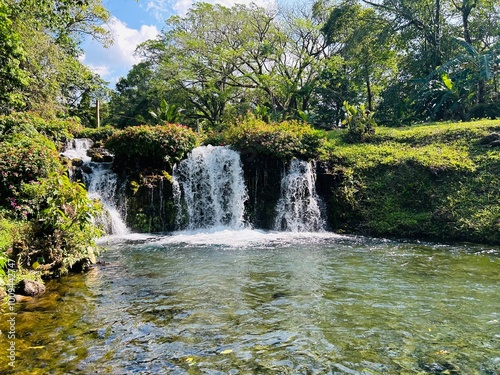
(30, 288)
(77, 162)
(86, 169)
(492, 139)
(100, 155)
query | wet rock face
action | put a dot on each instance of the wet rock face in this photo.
(100, 155)
(30, 288)
(263, 180)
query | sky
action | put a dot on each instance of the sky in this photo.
(133, 22)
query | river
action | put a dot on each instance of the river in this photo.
(254, 302)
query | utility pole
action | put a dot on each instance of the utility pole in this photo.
(97, 115)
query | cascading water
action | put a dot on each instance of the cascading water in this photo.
(298, 209)
(77, 149)
(210, 189)
(101, 183)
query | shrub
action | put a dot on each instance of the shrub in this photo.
(484, 110)
(58, 130)
(283, 140)
(151, 146)
(63, 230)
(24, 159)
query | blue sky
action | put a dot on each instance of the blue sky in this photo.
(131, 23)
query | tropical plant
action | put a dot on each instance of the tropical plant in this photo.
(63, 230)
(476, 67)
(359, 122)
(166, 112)
(24, 159)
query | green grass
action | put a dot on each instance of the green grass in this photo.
(428, 181)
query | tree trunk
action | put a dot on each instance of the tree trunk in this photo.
(369, 93)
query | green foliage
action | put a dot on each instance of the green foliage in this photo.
(166, 112)
(151, 146)
(24, 159)
(7, 235)
(63, 230)
(359, 122)
(135, 94)
(97, 134)
(283, 140)
(12, 77)
(57, 129)
(39, 66)
(431, 181)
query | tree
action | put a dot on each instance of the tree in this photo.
(12, 77)
(49, 33)
(419, 25)
(226, 61)
(133, 97)
(365, 43)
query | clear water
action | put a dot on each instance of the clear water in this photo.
(251, 302)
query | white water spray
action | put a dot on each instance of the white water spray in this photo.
(101, 183)
(210, 189)
(77, 149)
(298, 209)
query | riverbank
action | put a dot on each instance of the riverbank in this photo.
(434, 181)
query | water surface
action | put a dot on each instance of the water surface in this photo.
(250, 302)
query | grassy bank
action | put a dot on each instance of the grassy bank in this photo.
(435, 181)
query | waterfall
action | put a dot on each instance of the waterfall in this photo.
(77, 149)
(101, 183)
(210, 189)
(298, 209)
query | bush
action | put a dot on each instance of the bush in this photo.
(479, 111)
(58, 130)
(24, 159)
(151, 146)
(62, 230)
(282, 140)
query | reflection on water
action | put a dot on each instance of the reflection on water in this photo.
(247, 302)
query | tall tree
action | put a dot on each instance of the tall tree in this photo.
(12, 55)
(365, 43)
(134, 96)
(49, 32)
(419, 23)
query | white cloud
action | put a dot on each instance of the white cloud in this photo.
(160, 9)
(126, 41)
(116, 60)
(102, 70)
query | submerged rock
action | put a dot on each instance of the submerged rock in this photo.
(30, 288)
